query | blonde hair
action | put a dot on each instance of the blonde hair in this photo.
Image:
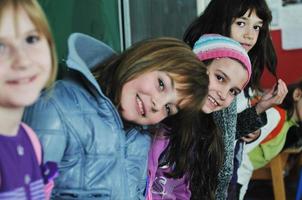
(38, 18)
(160, 54)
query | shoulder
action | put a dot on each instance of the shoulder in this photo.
(34, 141)
(47, 110)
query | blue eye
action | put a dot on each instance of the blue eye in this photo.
(161, 84)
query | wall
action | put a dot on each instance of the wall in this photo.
(289, 63)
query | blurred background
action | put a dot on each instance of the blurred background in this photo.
(120, 23)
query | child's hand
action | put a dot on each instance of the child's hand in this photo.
(251, 136)
(274, 97)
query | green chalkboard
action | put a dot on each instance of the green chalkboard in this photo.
(151, 18)
(98, 18)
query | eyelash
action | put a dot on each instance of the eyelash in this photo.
(167, 106)
(219, 78)
(168, 109)
(233, 92)
(257, 27)
(240, 23)
(32, 39)
(161, 84)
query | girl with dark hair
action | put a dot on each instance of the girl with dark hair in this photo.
(185, 158)
(273, 136)
(94, 122)
(246, 21)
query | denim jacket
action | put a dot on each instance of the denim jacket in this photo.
(82, 131)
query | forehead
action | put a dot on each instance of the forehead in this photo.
(252, 15)
(232, 69)
(14, 22)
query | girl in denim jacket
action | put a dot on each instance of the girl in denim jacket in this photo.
(94, 122)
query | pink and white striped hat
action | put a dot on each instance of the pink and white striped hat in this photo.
(210, 46)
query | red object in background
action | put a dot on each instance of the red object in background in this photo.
(289, 63)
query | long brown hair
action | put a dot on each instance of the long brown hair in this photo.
(160, 54)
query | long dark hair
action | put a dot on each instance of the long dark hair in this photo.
(218, 18)
(196, 151)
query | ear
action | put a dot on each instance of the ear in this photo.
(297, 94)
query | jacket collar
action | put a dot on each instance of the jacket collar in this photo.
(84, 53)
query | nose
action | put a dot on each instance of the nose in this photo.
(248, 34)
(222, 95)
(157, 104)
(154, 106)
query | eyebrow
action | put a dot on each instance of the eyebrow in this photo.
(31, 31)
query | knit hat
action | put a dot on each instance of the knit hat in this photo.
(210, 46)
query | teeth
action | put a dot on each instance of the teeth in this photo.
(213, 100)
(140, 105)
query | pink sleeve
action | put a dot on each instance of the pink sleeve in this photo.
(38, 150)
(48, 189)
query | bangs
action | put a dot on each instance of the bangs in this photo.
(190, 90)
(262, 11)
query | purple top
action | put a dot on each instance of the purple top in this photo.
(159, 186)
(20, 174)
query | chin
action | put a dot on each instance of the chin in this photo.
(207, 110)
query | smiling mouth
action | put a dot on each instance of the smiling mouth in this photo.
(22, 80)
(245, 45)
(140, 106)
(213, 101)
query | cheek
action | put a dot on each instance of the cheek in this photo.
(212, 83)
(215, 86)
(46, 54)
(42, 56)
(229, 101)
(235, 32)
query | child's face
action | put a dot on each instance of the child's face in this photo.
(25, 60)
(149, 98)
(245, 29)
(227, 78)
(297, 116)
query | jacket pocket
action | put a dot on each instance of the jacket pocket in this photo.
(104, 194)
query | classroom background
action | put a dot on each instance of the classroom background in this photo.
(120, 23)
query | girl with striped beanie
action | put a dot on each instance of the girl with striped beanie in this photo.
(175, 172)
(229, 69)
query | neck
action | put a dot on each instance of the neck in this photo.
(10, 119)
